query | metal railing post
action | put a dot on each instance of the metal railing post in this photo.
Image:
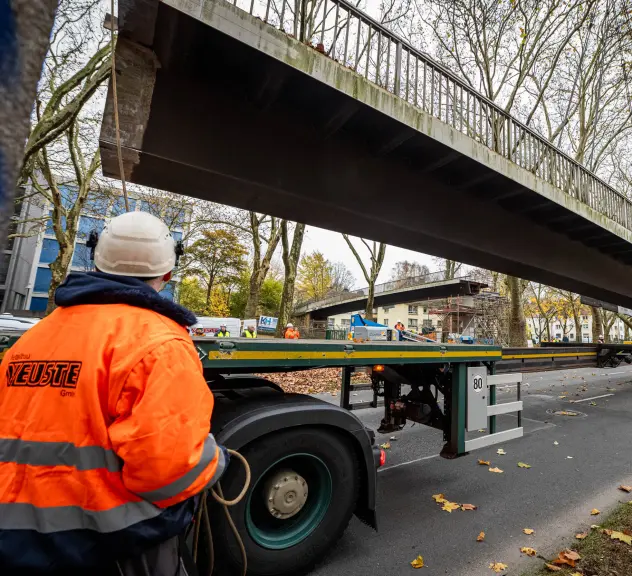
(398, 67)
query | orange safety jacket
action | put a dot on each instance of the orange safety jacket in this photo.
(104, 428)
(292, 334)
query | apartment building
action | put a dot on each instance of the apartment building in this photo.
(29, 273)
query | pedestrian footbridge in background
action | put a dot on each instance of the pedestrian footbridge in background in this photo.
(313, 111)
(430, 286)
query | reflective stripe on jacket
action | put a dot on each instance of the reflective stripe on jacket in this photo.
(104, 436)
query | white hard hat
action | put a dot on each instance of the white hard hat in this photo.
(399, 321)
(135, 244)
(290, 325)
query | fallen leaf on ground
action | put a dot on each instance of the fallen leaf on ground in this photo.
(482, 430)
(393, 438)
(440, 498)
(484, 462)
(593, 403)
(528, 551)
(501, 452)
(528, 531)
(567, 557)
(625, 488)
(595, 526)
(497, 470)
(418, 562)
(480, 537)
(468, 507)
(553, 568)
(498, 567)
(561, 396)
(570, 457)
(581, 535)
(523, 465)
(386, 445)
(594, 512)
(616, 535)
(556, 443)
(449, 506)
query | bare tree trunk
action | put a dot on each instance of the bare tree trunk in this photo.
(59, 270)
(578, 327)
(597, 324)
(517, 324)
(291, 256)
(260, 266)
(377, 253)
(370, 303)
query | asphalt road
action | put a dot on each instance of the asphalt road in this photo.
(554, 497)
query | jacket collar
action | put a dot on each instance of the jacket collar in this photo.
(101, 288)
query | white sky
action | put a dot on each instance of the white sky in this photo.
(335, 249)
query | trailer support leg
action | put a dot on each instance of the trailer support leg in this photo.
(345, 388)
(456, 445)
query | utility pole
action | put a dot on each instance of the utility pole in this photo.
(25, 28)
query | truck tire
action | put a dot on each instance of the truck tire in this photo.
(304, 488)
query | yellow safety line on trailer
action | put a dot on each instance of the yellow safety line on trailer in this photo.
(276, 355)
(557, 355)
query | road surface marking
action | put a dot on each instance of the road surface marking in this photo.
(593, 398)
(611, 373)
(406, 463)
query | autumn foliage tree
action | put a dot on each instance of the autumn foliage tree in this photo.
(216, 258)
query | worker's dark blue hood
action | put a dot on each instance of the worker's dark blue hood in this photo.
(100, 288)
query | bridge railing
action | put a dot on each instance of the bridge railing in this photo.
(348, 35)
(393, 285)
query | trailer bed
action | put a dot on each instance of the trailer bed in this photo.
(276, 355)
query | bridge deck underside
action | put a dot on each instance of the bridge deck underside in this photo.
(230, 124)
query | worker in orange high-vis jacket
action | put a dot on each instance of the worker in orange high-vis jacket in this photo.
(105, 420)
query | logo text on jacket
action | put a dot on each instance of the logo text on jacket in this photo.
(55, 373)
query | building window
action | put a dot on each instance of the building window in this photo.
(168, 291)
(584, 318)
(50, 248)
(18, 301)
(38, 304)
(87, 225)
(584, 326)
(387, 308)
(439, 323)
(81, 257)
(413, 309)
(427, 323)
(4, 267)
(558, 326)
(385, 322)
(412, 324)
(425, 310)
(49, 224)
(571, 337)
(42, 279)
(118, 206)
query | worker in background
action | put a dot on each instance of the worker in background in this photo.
(105, 420)
(250, 332)
(223, 333)
(291, 333)
(400, 327)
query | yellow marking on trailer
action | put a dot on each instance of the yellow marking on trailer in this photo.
(373, 356)
(557, 355)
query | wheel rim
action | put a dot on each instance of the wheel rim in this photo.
(286, 530)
